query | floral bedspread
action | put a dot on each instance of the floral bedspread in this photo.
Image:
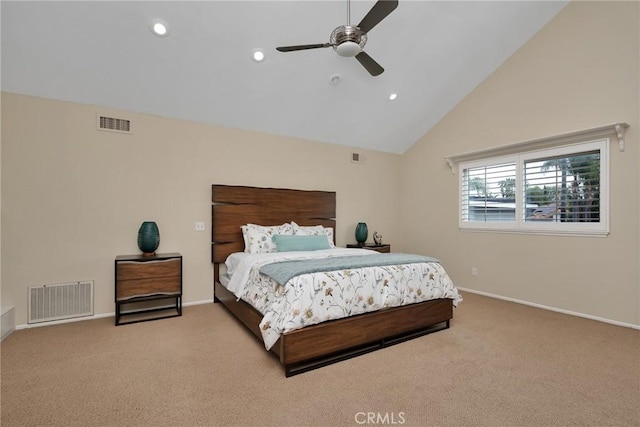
(312, 298)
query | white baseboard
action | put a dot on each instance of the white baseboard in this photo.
(95, 316)
(207, 301)
(556, 309)
(473, 291)
(7, 321)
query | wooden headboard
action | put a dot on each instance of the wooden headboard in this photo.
(234, 206)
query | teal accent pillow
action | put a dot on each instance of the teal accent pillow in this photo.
(288, 243)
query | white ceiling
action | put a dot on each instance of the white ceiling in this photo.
(103, 53)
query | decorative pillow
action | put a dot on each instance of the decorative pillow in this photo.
(315, 230)
(257, 238)
(286, 243)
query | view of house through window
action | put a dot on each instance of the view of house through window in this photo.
(560, 189)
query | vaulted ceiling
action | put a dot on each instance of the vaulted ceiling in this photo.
(104, 53)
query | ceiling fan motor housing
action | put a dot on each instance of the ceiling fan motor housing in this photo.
(348, 40)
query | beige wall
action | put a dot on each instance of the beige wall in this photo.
(73, 197)
(580, 71)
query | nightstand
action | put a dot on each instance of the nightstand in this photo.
(383, 248)
(140, 279)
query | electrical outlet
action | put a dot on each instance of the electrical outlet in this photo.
(474, 271)
(200, 226)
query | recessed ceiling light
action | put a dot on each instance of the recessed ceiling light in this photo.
(393, 96)
(257, 55)
(160, 28)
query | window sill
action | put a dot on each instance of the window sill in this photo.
(540, 232)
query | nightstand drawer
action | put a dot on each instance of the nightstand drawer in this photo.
(133, 270)
(148, 286)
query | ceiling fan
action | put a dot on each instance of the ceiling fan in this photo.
(349, 40)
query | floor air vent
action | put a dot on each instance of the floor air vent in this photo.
(60, 301)
(113, 124)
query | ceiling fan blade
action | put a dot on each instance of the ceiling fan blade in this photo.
(369, 64)
(378, 12)
(301, 47)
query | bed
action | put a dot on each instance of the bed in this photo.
(324, 341)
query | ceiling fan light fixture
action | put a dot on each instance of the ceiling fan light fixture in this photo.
(348, 49)
(348, 40)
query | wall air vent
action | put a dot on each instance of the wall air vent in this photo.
(60, 301)
(113, 124)
(358, 158)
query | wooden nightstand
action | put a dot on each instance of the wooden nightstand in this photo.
(372, 246)
(139, 279)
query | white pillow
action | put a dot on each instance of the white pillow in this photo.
(314, 230)
(258, 238)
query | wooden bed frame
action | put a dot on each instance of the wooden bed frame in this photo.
(328, 342)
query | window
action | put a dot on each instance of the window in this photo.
(488, 192)
(560, 190)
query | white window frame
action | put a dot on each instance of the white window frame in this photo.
(600, 228)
